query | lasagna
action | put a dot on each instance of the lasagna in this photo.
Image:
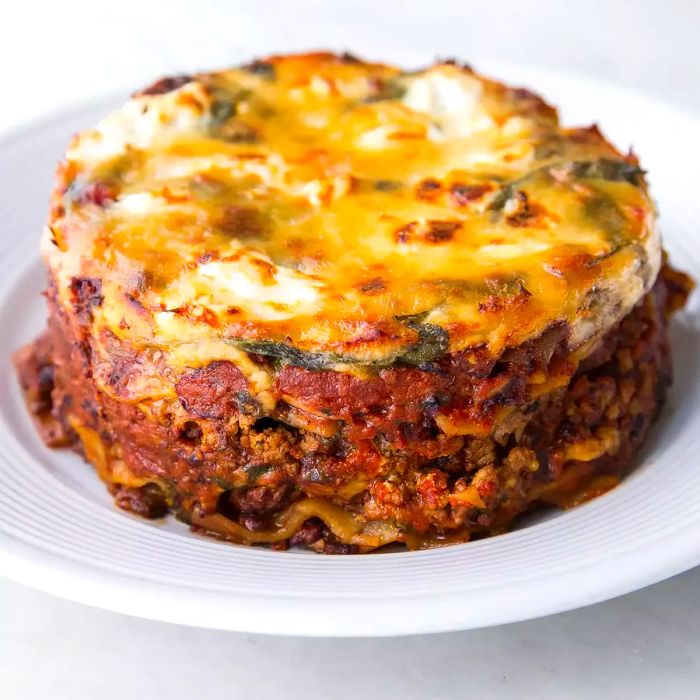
(314, 301)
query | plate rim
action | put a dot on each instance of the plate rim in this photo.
(131, 595)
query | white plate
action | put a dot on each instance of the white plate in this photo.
(59, 531)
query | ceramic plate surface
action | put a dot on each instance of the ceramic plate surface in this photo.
(60, 532)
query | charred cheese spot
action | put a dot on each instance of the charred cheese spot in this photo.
(241, 222)
(428, 231)
(376, 285)
(87, 294)
(428, 190)
(524, 213)
(462, 195)
(164, 85)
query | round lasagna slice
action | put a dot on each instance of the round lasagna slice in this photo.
(318, 301)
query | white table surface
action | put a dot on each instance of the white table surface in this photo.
(643, 645)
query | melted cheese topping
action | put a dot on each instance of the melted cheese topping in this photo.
(339, 206)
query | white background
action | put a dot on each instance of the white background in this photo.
(645, 645)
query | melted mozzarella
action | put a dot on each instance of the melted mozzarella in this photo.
(250, 284)
(140, 123)
(451, 97)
